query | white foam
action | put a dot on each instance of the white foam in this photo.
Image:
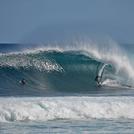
(112, 83)
(50, 108)
(115, 84)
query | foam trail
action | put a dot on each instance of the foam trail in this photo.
(51, 108)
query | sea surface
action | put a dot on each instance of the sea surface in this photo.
(69, 89)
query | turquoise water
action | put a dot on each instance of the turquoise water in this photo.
(81, 89)
(53, 72)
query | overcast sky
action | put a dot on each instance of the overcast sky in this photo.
(40, 21)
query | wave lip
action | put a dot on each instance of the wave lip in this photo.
(51, 108)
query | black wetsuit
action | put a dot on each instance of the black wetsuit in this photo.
(23, 82)
(98, 80)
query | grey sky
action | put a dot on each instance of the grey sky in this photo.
(40, 21)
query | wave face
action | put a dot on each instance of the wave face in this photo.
(51, 108)
(51, 71)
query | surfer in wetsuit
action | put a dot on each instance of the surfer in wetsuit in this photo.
(98, 80)
(22, 82)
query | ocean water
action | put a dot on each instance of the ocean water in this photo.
(80, 88)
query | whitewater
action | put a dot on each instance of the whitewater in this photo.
(76, 108)
(81, 88)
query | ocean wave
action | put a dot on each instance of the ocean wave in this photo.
(51, 108)
(68, 71)
(65, 69)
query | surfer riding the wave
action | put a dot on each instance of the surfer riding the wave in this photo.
(98, 80)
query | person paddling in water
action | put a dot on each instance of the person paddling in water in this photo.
(22, 82)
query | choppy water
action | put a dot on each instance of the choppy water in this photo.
(70, 127)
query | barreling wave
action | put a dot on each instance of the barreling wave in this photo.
(61, 71)
(52, 108)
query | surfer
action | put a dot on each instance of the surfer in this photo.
(22, 82)
(98, 80)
